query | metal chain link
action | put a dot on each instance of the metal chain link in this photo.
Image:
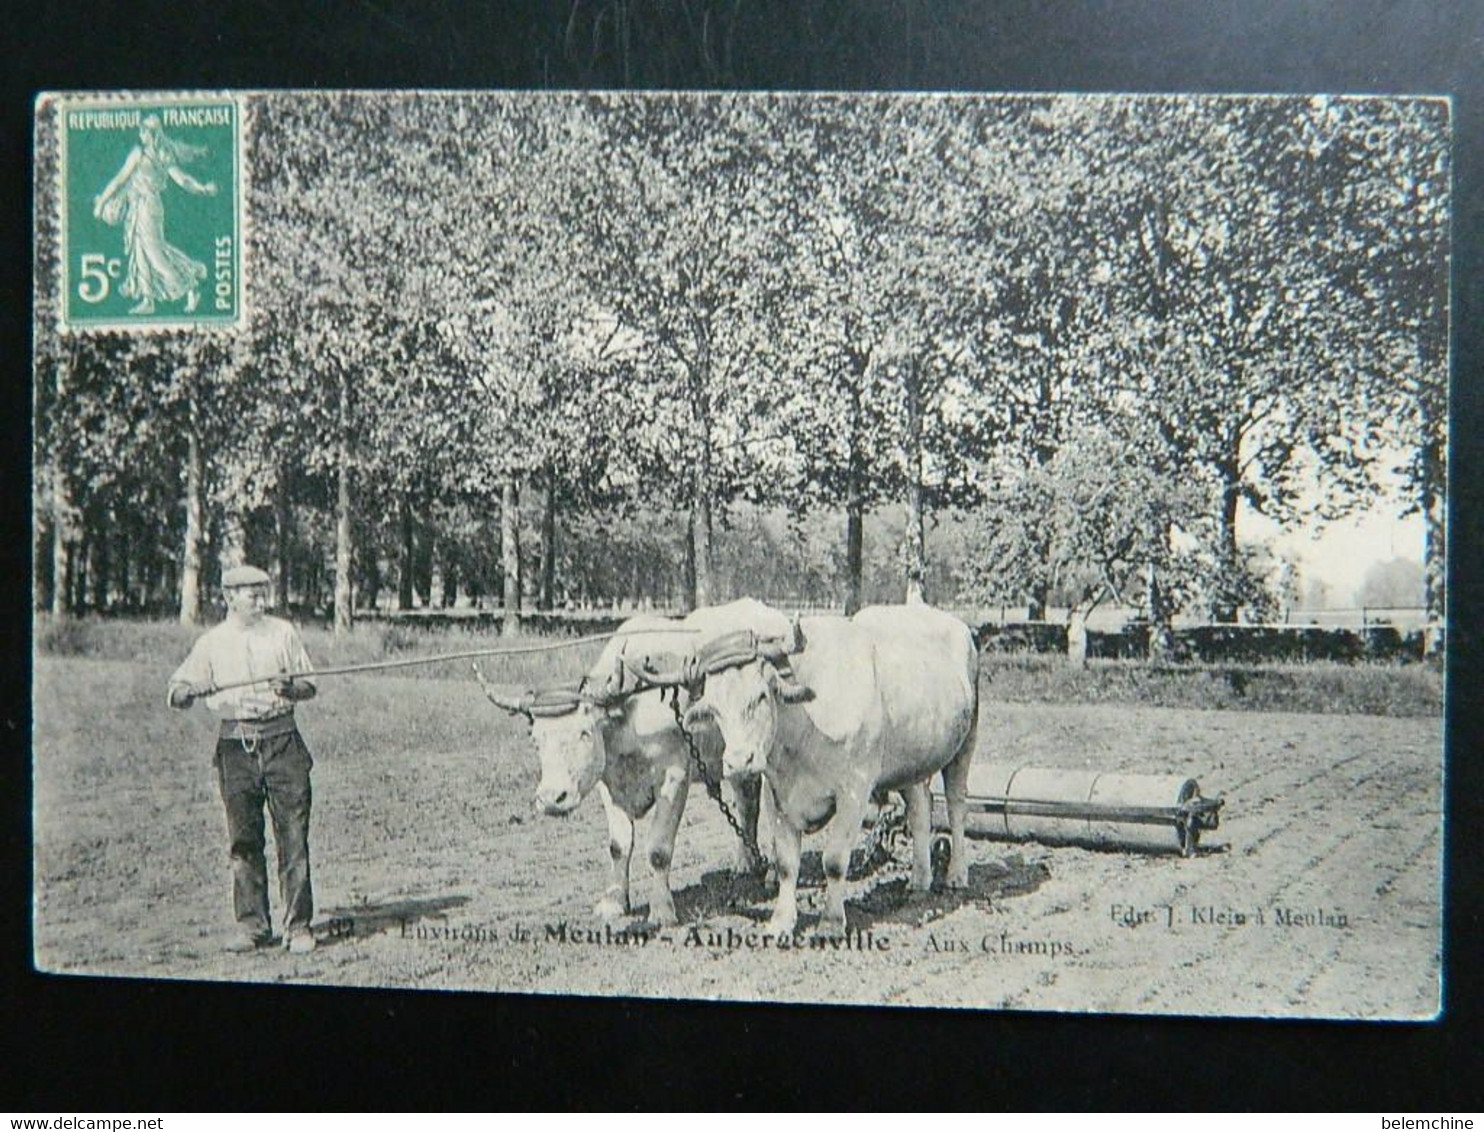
(888, 830)
(713, 788)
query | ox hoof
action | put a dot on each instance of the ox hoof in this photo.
(959, 879)
(829, 928)
(777, 927)
(663, 915)
(609, 909)
(920, 885)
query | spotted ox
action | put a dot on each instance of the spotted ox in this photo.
(622, 737)
(894, 700)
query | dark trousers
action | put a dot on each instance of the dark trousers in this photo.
(276, 771)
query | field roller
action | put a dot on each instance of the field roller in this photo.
(1059, 806)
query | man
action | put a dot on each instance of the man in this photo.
(259, 754)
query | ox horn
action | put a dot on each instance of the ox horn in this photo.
(645, 672)
(796, 635)
(776, 648)
(521, 705)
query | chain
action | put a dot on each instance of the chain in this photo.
(887, 832)
(713, 788)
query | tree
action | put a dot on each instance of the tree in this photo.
(1244, 274)
(674, 240)
(1399, 582)
(364, 202)
(907, 238)
(1096, 513)
(1391, 188)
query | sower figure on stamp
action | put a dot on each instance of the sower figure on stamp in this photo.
(158, 270)
(260, 757)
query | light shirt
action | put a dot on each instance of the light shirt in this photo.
(232, 652)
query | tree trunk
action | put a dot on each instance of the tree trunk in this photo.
(1435, 545)
(705, 593)
(62, 518)
(404, 572)
(449, 592)
(233, 550)
(80, 558)
(422, 576)
(700, 528)
(282, 520)
(1077, 637)
(123, 562)
(547, 598)
(169, 580)
(854, 553)
(855, 506)
(101, 568)
(371, 582)
(344, 546)
(688, 567)
(1161, 635)
(1035, 609)
(61, 553)
(510, 557)
(195, 505)
(1224, 608)
(42, 569)
(915, 535)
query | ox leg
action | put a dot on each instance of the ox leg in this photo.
(956, 791)
(844, 834)
(662, 828)
(786, 844)
(920, 825)
(744, 795)
(615, 900)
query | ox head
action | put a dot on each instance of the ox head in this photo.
(747, 683)
(570, 728)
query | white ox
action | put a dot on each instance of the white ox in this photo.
(894, 701)
(629, 745)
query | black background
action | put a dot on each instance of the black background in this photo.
(76, 1045)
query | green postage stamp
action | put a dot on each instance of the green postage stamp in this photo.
(151, 213)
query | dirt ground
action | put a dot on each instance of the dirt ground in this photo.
(1319, 895)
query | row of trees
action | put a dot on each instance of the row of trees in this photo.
(1094, 329)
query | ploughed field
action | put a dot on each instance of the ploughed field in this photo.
(1319, 895)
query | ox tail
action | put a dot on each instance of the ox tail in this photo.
(956, 772)
(956, 787)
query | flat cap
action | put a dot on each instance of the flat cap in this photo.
(243, 576)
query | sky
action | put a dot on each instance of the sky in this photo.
(1340, 553)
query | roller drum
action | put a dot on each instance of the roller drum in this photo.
(1062, 806)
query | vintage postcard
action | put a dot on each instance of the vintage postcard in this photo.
(966, 551)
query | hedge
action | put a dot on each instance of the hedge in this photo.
(1275, 644)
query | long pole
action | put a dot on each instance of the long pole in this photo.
(375, 666)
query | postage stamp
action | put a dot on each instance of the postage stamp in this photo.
(978, 551)
(152, 213)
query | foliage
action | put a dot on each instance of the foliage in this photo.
(1103, 328)
(1397, 582)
